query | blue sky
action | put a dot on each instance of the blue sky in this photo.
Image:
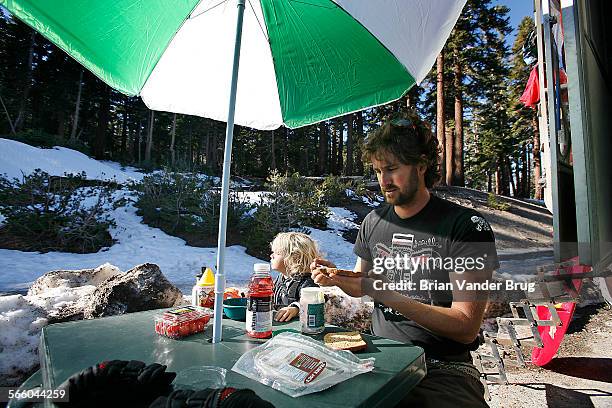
(518, 10)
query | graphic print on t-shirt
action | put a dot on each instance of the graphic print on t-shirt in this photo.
(411, 259)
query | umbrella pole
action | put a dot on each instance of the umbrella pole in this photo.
(227, 162)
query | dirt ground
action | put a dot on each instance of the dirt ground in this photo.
(524, 226)
(579, 376)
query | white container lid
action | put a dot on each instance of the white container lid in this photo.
(312, 295)
(261, 267)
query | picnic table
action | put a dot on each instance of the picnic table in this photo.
(67, 348)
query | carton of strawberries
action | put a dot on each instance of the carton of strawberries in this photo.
(182, 322)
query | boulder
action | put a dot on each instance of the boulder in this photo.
(64, 293)
(72, 279)
(143, 287)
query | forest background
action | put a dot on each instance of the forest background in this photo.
(488, 139)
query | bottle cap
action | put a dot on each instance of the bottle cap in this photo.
(208, 278)
(261, 267)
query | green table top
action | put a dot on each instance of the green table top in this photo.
(67, 348)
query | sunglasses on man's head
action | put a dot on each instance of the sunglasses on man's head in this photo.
(401, 122)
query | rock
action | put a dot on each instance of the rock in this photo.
(496, 309)
(64, 294)
(590, 294)
(143, 287)
(71, 279)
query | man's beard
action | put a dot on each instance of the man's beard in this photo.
(407, 194)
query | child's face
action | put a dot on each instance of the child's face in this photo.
(277, 262)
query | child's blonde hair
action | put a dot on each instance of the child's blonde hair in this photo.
(299, 250)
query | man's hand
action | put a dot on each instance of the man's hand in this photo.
(352, 286)
(318, 274)
(286, 313)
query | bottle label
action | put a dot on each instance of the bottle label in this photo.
(259, 314)
(315, 315)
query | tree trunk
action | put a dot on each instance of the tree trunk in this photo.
(528, 178)
(348, 170)
(99, 144)
(172, 140)
(273, 148)
(28, 84)
(286, 150)
(524, 170)
(489, 182)
(149, 144)
(213, 150)
(77, 108)
(334, 147)
(449, 155)
(61, 123)
(8, 116)
(124, 128)
(504, 176)
(537, 166)
(359, 133)
(498, 181)
(458, 175)
(340, 151)
(190, 148)
(323, 142)
(139, 142)
(411, 98)
(510, 178)
(517, 175)
(207, 150)
(440, 125)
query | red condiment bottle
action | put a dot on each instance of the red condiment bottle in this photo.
(259, 302)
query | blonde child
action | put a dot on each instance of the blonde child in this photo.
(292, 254)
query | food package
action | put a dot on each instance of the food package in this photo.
(351, 341)
(182, 322)
(298, 365)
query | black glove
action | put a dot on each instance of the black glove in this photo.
(117, 383)
(244, 398)
(212, 398)
(176, 399)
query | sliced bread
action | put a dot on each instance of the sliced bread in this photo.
(351, 341)
(343, 272)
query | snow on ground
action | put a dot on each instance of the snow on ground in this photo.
(17, 157)
(20, 324)
(331, 243)
(138, 243)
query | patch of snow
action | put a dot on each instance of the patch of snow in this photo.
(341, 219)
(20, 324)
(17, 157)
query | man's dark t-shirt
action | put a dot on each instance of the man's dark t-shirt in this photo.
(443, 237)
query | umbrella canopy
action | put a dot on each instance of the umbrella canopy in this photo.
(301, 61)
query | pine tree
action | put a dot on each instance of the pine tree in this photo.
(524, 120)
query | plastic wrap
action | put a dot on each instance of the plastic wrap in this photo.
(298, 365)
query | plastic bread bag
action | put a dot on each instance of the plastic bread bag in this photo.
(298, 365)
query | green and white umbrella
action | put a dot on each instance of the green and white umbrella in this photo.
(301, 61)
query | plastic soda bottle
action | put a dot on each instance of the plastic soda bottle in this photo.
(259, 302)
(203, 293)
